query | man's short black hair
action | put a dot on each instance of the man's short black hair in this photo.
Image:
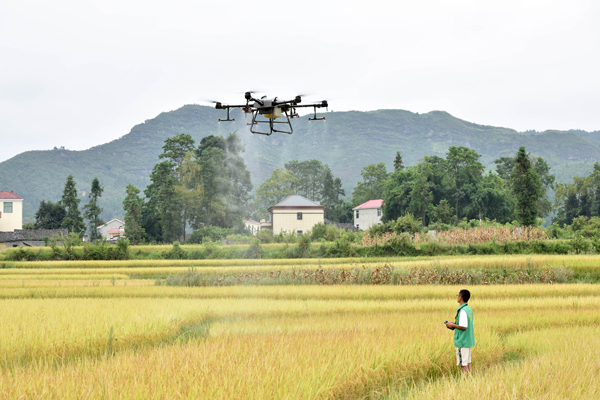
(465, 295)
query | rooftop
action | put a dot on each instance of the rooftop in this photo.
(371, 204)
(297, 201)
(9, 196)
(114, 219)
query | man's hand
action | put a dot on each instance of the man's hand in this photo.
(450, 325)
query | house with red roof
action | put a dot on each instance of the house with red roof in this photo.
(113, 229)
(368, 214)
(11, 211)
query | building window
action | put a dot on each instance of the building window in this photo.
(379, 212)
(299, 215)
(356, 213)
(357, 227)
(8, 207)
(300, 232)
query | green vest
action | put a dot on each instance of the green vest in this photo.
(464, 338)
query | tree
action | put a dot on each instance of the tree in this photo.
(442, 213)
(421, 197)
(310, 176)
(217, 188)
(543, 170)
(239, 175)
(164, 206)
(73, 220)
(505, 166)
(398, 163)
(397, 193)
(49, 215)
(92, 211)
(176, 149)
(190, 190)
(527, 188)
(276, 188)
(372, 186)
(463, 169)
(225, 180)
(332, 190)
(133, 206)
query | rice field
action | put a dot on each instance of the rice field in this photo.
(97, 331)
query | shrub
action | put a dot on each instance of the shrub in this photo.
(255, 250)
(319, 231)
(176, 253)
(122, 249)
(265, 236)
(209, 233)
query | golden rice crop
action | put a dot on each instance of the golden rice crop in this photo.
(156, 268)
(293, 342)
(564, 365)
(128, 289)
(86, 281)
(192, 263)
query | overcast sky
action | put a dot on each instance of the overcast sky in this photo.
(81, 73)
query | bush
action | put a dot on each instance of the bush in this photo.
(319, 231)
(122, 249)
(407, 224)
(255, 250)
(209, 233)
(304, 245)
(96, 251)
(176, 253)
(341, 247)
(265, 236)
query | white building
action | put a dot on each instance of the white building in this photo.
(113, 229)
(252, 225)
(368, 214)
(11, 212)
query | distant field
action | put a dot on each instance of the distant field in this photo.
(582, 262)
(80, 330)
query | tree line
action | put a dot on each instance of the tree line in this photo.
(207, 184)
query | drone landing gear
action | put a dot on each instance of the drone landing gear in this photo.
(315, 118)
(228, 119)
(272, 124)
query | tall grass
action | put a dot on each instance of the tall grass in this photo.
(461, 236)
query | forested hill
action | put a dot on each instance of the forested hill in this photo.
(347, 141)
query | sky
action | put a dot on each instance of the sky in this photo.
(82, 73)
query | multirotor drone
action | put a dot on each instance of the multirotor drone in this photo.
(270, 110)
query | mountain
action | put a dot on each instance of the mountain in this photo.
(347, 141)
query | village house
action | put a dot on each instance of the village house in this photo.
(252, 225)
(11, 212)
(368, 214)
(294, 214)
(112, 230)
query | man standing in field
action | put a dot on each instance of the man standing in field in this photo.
(464, 337)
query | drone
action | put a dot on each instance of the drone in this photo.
(270, 110)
